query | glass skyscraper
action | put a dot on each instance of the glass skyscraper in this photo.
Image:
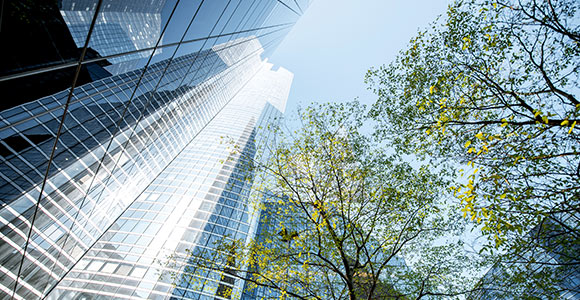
(546, 257)
(111, 149)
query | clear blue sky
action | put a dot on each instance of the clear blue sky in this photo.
(335, 42)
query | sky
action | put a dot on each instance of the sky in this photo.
(335, 42)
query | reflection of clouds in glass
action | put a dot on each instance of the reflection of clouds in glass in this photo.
(116, 31)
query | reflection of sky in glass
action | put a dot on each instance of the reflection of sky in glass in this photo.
(137, 25)
(120, 27)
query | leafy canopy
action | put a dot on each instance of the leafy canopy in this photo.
(494, 87)
(491, 90)
(342, 218)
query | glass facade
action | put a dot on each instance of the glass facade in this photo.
(268, 223)
(110, 143)
(200, 197)
(545, 257)
(283, 229)
(122, 26)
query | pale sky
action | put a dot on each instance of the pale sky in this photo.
(335, 42)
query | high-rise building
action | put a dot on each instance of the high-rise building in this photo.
(111, 155)
(279, 226)
(543, 268)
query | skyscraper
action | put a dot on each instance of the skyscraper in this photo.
(545, 268)
(284, 230)
(110, 159)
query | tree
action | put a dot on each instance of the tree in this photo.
(492, 90)
(344, 219)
